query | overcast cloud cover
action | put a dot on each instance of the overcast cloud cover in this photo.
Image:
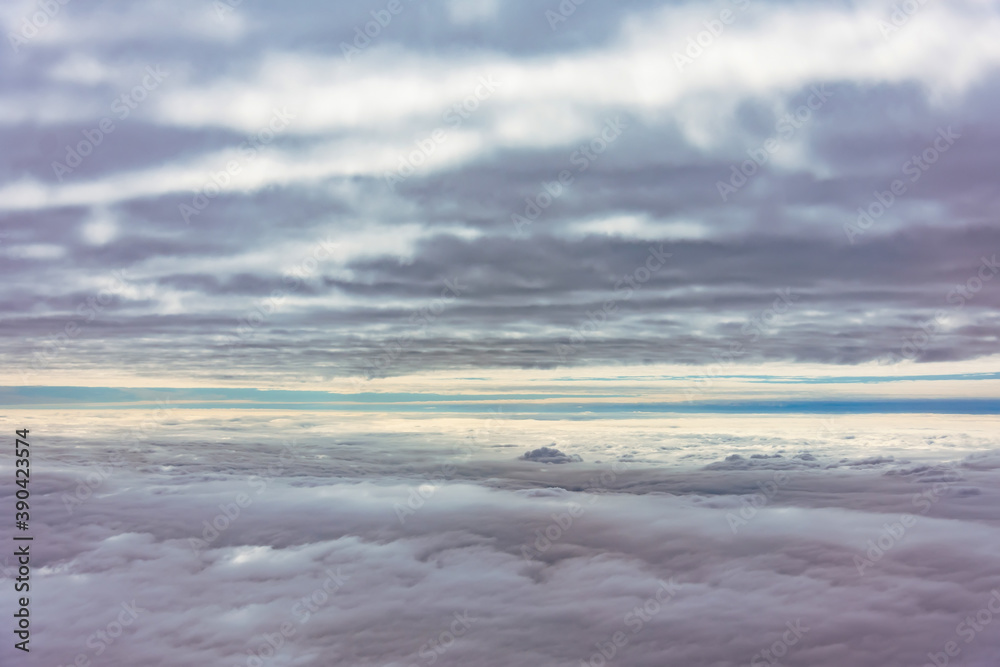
(431, 252)
(289, 291)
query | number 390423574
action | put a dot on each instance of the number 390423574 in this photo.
(22, 472)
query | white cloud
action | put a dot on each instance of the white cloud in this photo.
(101, 228)
(465, 12)
(34, 251)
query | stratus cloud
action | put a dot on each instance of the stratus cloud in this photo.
(636, 72)
(547, 100)
(323, 177)
(146, 20)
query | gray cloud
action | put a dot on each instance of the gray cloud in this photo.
(316, 506)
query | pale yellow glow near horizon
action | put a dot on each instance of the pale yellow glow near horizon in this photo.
(663, 383)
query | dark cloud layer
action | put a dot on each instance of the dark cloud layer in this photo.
(859, 292)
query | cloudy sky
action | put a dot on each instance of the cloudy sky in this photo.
(337, 196)
(291, 290)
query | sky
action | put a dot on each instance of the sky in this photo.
(253, 195)
(297, 298)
